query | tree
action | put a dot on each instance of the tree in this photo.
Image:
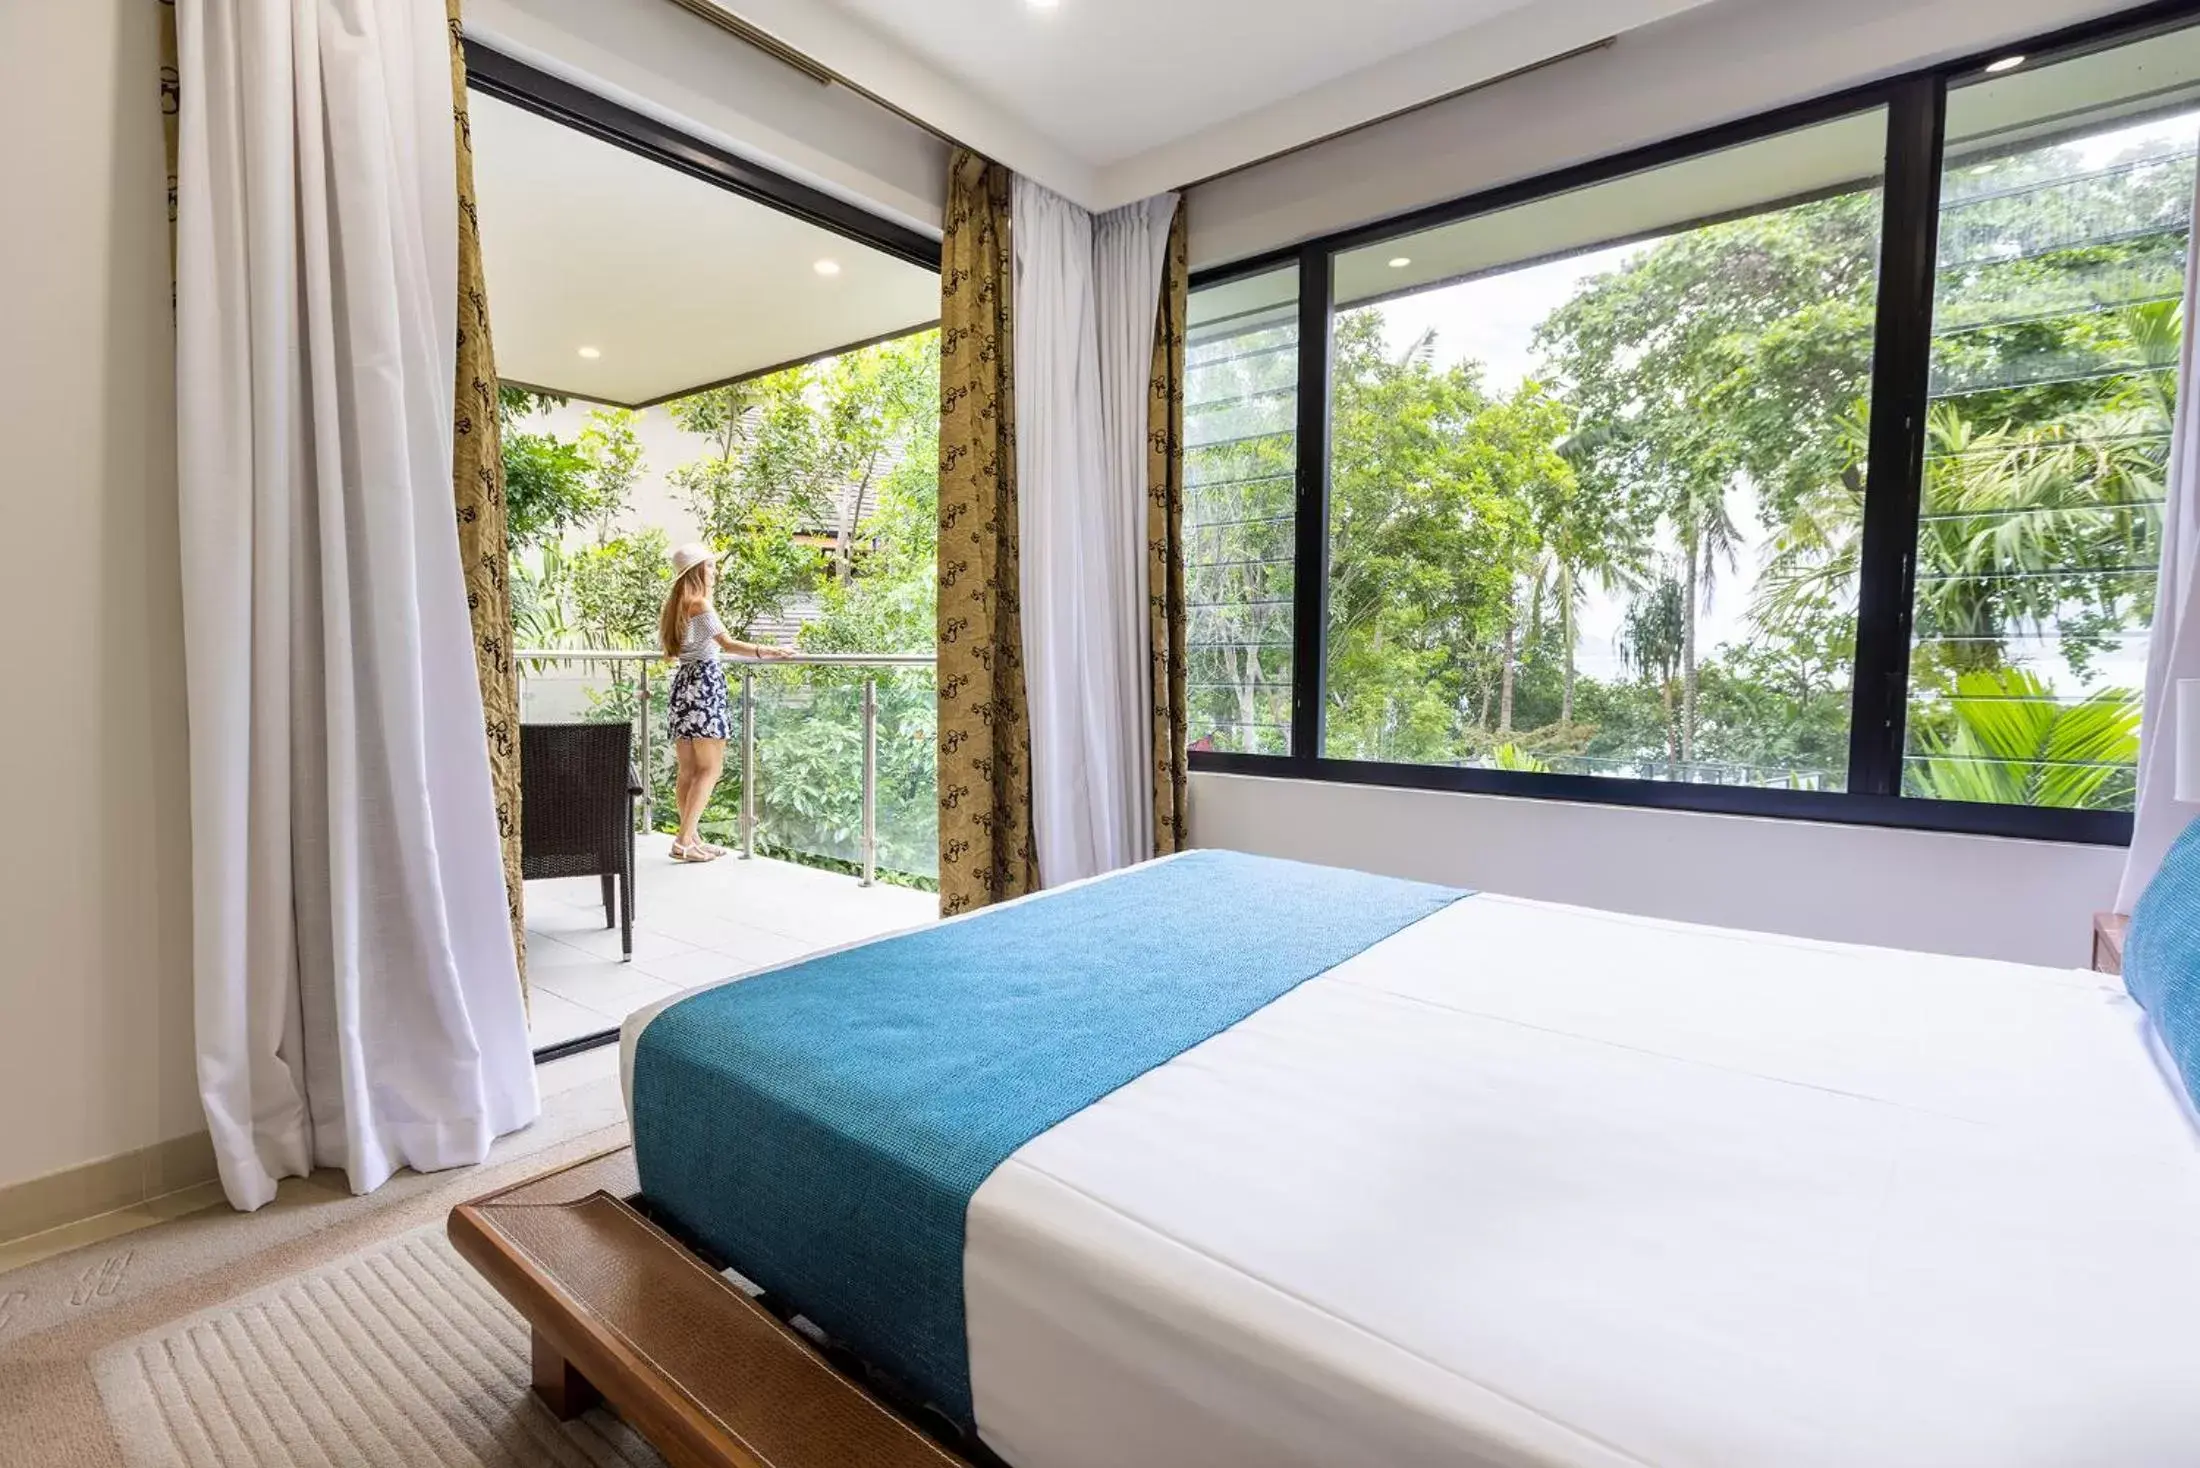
(547, 486)
(2013, 743)
(754, 493)
(554, 485)
(1240, 468)
(1721, 356)
(1589, 539)
(618, 588)
(1653, 643)
(614, 456)
(876, 402)
(1431, 540)
(886, 603)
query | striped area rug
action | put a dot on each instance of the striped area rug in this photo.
(397, 1355)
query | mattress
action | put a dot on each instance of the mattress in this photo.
(1533, 1185)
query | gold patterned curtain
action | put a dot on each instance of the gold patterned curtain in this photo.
(1165, 545)
(171, 117)
(477, 480)
(986, 847)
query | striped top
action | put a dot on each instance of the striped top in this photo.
(700, 642)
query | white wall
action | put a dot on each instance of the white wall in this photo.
(652, 503)
(1723, 61)
(95, 997)
(2031, 901)
(656, 58)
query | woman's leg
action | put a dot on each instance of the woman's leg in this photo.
(683, 788)
(710, 760)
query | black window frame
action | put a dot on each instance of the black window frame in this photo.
(1915, 106)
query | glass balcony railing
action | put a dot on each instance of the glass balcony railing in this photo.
(832, 762)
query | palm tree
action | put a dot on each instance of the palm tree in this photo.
(1705, 528)
(2012, 743)
(2016, 524)
(1511, 756)
(1651, 642)
(1582, 545)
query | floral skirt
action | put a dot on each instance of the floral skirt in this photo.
(700, 708)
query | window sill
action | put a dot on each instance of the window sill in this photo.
(2017, 822)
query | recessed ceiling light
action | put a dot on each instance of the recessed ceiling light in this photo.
(1400, 262)
(591, 353)
(2007, 63)
(827, 267)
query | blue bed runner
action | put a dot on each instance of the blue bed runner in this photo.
(823, 1127)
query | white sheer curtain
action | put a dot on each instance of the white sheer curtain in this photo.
(1086, 294)
(2173, 648)
(358, 1003)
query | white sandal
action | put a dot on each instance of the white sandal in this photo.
(699, 852)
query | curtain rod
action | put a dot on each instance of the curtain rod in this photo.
(761, 40)
(750, 34)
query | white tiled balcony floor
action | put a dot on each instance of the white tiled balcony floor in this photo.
(692, 924)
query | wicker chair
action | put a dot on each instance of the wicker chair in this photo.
(577, 789)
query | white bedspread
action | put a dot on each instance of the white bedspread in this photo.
(1527, 1184)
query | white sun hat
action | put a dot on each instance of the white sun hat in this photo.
(689, 556)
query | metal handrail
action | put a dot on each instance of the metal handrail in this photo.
(748, 666)
(793, 660)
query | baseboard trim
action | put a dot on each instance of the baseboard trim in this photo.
(77, 1193)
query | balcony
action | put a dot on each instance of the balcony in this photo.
(828, 802)
(692, 924)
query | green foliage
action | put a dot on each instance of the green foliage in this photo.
(1513, 757)
(614, 457)
(767, 491)
(1706, 401)
(618, 588)
(756, 491)
(553, 484)
(886, 603)
(2008, 742)
(882, 416)
(542, 613)
(1435, 492)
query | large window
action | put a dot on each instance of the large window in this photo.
(1583, 456)
(1813, 467)
(2064, 215)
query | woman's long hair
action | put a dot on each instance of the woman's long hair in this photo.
(682, 602)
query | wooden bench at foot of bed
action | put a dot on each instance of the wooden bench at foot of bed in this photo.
(623, 1313)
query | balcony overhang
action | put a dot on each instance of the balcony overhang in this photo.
(630, 264)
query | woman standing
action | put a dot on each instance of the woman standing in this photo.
(702, 719)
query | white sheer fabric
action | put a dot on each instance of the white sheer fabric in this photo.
(358, 1003)
(1086, 293)
(2173, 649)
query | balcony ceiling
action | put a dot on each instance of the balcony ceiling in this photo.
(675, 282)
(1107, 101)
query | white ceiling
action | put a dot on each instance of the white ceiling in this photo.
(1110, 100)
(676, 282)
(1107, 78)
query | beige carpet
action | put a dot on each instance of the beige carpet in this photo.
(221, 1278)
(396, 1355)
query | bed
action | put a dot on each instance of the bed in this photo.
(1509, 1183)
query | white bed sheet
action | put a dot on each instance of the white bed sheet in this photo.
(1527, 1184)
